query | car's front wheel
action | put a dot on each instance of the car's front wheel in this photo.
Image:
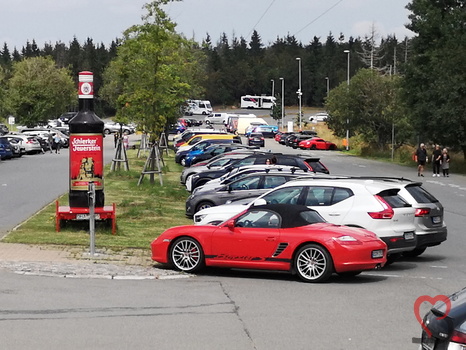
(186, 255)
(313, 263)
(107, 131)
(203, 205)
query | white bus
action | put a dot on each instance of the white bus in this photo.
(265, 102)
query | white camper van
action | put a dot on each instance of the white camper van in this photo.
(264, 102)
(198, 107)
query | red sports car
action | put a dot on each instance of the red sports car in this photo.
(273, 237)
(317, 143)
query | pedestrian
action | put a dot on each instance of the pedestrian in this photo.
(50, 141)
(115, 138)
(445, 163)
(436, 160)
(421, 158)
(57, 142)
(126, 141)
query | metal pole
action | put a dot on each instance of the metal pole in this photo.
(299, 92)
(328, 85)
(283, 103)
(347, 83)
(273, 87)
(91, 193)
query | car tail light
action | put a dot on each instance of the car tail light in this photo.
(422, 212)
(458, 337)
(386, 213)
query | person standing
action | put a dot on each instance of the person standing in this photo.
(436, 160)
(421, 157)
(50, 141)
(57, 143)
(445, 163)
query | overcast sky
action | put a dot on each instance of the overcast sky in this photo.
(104, 20)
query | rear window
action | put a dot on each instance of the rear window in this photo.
(317, 166)
(420, 194)
(393, 199)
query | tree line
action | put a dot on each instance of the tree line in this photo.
(413, 86)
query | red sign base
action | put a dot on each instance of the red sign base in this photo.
(107, 212)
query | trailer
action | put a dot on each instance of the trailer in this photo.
(259, 102)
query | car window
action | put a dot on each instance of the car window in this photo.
(319, 196)
(287, 161)
(287, 195)
(340, 194)
(259, 219)
(316, 166)
(274, 181)
(250, 183)
(246, 161)
(420, 194)
(393, 199)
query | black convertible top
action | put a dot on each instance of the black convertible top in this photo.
(292, 215)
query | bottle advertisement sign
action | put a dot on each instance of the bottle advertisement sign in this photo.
(86, 161)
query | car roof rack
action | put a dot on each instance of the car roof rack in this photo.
(350, 177)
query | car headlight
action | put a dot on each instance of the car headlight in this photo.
(347, 240)
(199, 218)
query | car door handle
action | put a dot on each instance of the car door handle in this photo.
(270, 239)
(334, 214)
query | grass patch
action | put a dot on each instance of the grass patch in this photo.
(143, 212)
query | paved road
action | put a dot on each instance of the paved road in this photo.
(232, 309)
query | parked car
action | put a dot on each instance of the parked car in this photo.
(256, 139)
(317, 143)
(216, 118)
(112, 127)
(30, 142)
(16, 146)
(268, 131)
(201, 145)
(211, 151)
(445, 324)
(217, 162)
(66, 117)
(431, 229)
(247, 184)
(6, 151)
(3, 129)
(373, 204)
(318, 117)
(310, 164)
(293, 140)
(297, 240)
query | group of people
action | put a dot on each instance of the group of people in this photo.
(54, 142)
(440, 160)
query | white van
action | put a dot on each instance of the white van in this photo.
(217, 118)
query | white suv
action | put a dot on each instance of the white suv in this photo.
(373, 204)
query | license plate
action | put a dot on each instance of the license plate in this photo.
(409, 235)
(86, 216)
(436, 219)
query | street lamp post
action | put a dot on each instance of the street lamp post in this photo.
(328, 85)
(347, 83)
(273, 87)
(283, 103)
(300, 93)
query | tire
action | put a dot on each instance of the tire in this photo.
(183, 161)
(107, 132)
(186, 255)
(313, 263)
(414, 253)
(207, 122)
(313, 147)
(204, 205)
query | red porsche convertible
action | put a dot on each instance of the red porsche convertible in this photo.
(273, 237)
(317, 143)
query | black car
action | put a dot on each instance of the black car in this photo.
(256, 139)
(201, 145)
(294, 139)
(215, 150)
(66, 117)
(310, 164)
(3, 129)
(17, 148)
(445, 324)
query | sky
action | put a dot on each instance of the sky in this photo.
(50, 21)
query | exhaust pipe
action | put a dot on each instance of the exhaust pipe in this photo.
(378, 267)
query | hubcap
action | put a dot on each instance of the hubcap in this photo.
(311, 263)
(186, 255)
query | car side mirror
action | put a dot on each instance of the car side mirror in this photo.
(229, 188)
(259, 201)
(230, 224)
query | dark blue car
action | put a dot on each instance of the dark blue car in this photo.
(6, 151)
(180, 157)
